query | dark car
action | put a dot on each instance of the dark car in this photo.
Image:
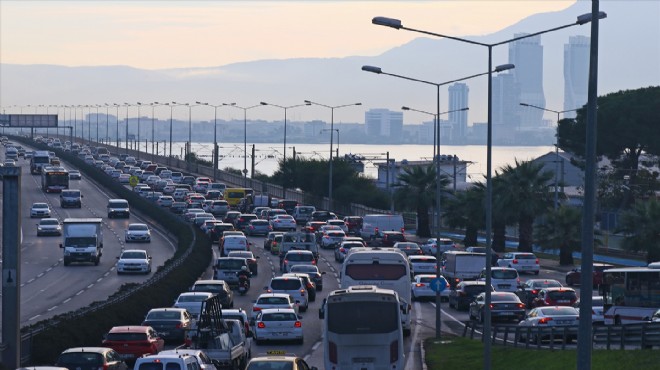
(555, 297)
(243, 220)
(323, 216)
(189, 180)
(353, 223)
(218, 230)
(465, 292)
(231, 217)
(314, 226)
(409, 248)
(389, 238)
(313, 272)
(530, 289)
(287, 204)
(269, 239)
(573, 276)
(504, 305)
(258, 227)
(91, 358)
(170, 323)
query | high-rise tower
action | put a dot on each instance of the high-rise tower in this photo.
(458, 99)
(576, 73)
(527, 56)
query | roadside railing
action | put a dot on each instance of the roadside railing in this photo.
(631, 336)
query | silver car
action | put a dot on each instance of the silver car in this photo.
(137, 233)
(40, 210)
(49, 226)
(134, 261)
(551, 316)
(278, 324)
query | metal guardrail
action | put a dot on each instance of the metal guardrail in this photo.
(631, 336)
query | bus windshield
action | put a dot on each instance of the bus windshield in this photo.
(357, 317)
(375, 271)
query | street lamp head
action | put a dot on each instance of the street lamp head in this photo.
(372, 69)
(387, 22)
(524, 104)
(464, 109)
(405, 108)
(358, 103)
(231, 104)
(504, 67)
(264, 103)
(588, 17)
(308, 102)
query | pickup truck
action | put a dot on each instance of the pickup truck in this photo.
(223, 351)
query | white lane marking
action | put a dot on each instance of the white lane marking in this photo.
(40, 275)
(33, 317)
(48, 269)
(29, 281)
(306, 358)
(80, 292)
(316, 345)
(413, 342)
(52, 308)
(445, 313)
(66, 300)
(99, 279)
(90, 286)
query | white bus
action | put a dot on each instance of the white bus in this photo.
(362, 329)
(630, 294)
(386, 268)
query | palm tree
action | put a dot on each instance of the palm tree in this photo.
(502, 214)
(641, 225)
(466, 210)
(561, 228)
(526, 194)
(416, 190)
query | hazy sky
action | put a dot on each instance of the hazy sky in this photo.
(167, 34)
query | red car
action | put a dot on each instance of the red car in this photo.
(555, 297)
(573, 276)
(132, 341)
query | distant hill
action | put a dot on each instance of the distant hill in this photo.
(629, 53)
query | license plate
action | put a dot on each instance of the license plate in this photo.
(504, 286)
(563, 322)
(526, 267)
(126, 355)
(363, 360)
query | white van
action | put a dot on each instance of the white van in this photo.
(303, 214)
(373, 225)
(503, 279)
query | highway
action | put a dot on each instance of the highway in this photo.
(47, 287)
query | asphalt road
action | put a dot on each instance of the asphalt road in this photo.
(47, 287)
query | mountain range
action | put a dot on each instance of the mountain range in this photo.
(629, 58)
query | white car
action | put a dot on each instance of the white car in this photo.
(192, 301)
(49, 226)
(40, 210)
(521, 261)
(137, 233)
(283, 222)
(124, 178)
(340, 223)
(278, 324)
(134, 261)
(423, 264)
(421, 288)
(165, 201)
(151, 180)
(557, 316)
(332, 238)
(273, 300)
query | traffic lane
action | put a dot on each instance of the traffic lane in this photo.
(312, 326)
(48, 292)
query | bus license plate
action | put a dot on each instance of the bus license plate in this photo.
(363, 360)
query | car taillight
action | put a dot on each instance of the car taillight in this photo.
(545, 320)
(394, 351)
(298, 324)
(515, 261)
(491, 306)
(521, 305)
(261, 325)
(256, 308)
(313, 262)
(286, 262)
(537, 261)
(376, 231)
(104, 367)
(419, 285)
(332, 352)
(302, 292)
(342, 250)
(179, 326)
(402, 230)
(535, 291)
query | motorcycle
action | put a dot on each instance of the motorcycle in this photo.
(243, 284)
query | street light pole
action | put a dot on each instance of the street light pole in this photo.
(396, 24)
(215, 137)
(332, 127)
(245, 109)
(138, 130)
(556, 200)
(117, 123)
(127, 106)
(285, 177)
(153, 118)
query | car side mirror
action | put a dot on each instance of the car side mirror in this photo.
(323, 273)
(252, 322)
(61, 246)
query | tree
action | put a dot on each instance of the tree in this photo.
(561, 228)
(416, 188)
(641, 224)
(525, 193)
(627, 127)
(466, 210)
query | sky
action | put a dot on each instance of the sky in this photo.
(175, 34)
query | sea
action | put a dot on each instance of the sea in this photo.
(268, 155)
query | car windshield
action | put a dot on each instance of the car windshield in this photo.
(164, 315)
(118, 205)
(300, 257)
(138, 227)
(504, 274)
(562, 295)
(285, 284)
(40, 205)
(126, 337)
(525, 256)
(273, 300)
(559, 311)
(229, 264)
(270, 365)
(504, 297)
(80, 360)
(212, 288)
(133, 255)
(304, 268)
(50, 222)
(192, 298)
(475, 289)
(279, 316)
(546, 284)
